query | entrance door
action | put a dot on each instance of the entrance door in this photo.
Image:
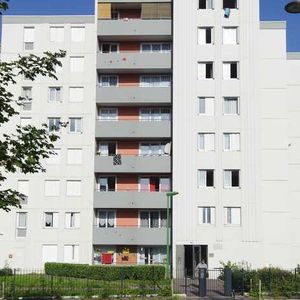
(193, 255)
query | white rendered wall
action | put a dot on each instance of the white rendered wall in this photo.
(27, 252)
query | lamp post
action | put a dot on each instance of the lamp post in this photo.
(169, 196)
(293, 7)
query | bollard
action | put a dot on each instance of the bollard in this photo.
(227, 282)
(202, 282)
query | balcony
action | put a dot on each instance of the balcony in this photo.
(133, 164)
(135, 29)
(129, 236)
(134, 95)
(135, 61)
(130, 199)
(133, 129)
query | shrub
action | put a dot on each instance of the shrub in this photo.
(109, 273)
(6, 272)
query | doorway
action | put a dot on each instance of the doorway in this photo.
(193, 255)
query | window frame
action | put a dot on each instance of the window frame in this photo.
(237, 102)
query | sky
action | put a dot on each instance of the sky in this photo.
(270, 10)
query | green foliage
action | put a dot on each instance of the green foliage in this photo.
(154, 272)
(6, 272)
(25, 148)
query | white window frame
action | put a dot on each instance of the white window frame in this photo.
(234, 141)
(107, 211)
(155, 114)
(56, 181)
(236, 33)
(207, 215)
(228, 219)
(55, 221)
(77, 71)
(69, 161)
(209, 106)
(225, 186)
(204, 36)
(75, 253)
(108, 76)
(78, 126)
(110, 116)
(149, 218)
(155, 80)
(28, 40)
(203, 65)
(56, 38)
(69, 224)
(57, 130)
(208, 141)
(160, 44)
(110, 45)
(237, 103)
(84, 33)
(205, 186)
(227, 71)
(18, 220)
(211, 2)
(68, 194)
(57, 93)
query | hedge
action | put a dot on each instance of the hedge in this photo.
(107, 273)
(6, 272)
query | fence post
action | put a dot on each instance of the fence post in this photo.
(243, 282)
(185, 282)
(202, 282)
(14, 284)
(227, 282)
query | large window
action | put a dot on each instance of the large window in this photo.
(205, 178)
(21, 224)
(156, 47)
(73, 188)
(153, 219)
(75, 125)
(230, 70)
(71, 253)
(206, 106)
(106, 218)
(155, 114)
(232, 215)
(155, 80)
(231, 178)
(109, 47)
(231, 106)
(154, 184)
(54, 124)
(152, 255)
(206, 141)
(72, 220)
(78, 34)
(107, 148)
(205, 35)
(57, 34)
(230, 35)
(205, 70)
(54, 94)
(77, 64)
(206, 215)
(26, 98)
(52, 188)
(152, 148)
(28, 38)
(231, 141)
(108, 80)
(49, 253)
(108, 114)
(107, 184)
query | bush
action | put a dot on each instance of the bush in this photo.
(6, 272)
(109, 273)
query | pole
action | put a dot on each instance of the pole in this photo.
(168, 236)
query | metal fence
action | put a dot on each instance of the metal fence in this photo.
(35, 283)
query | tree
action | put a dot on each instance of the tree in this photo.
(24, 149)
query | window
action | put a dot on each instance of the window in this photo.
(205, 70)
(54, 94)
(74, 156)
(151, 255)
(153, 219)
(232, 215)
(28, 38)
(230, 4)
(109, 48)
(231, 106)
(155, 80)
(77, 34)
(54, 159)
(206, 4)
(152, 148)
(206, 106)
(57, 34)
(52, 188)
(108, 80)
(155, 114)
(230, 35)
(107, 148)
(206, 141)
(205, 178)
(206, 215)
(107, 184)
(25, 122)
(156, 47)
(115, 15)
(106, 218)
(108, 114)
(230, 70)
(74, 188)
(231, 141)
(72, 220)
(26, 98)
(154, 184)
(76, 94)
(51, 220)
(54, 124)
(231, 178)
(71, 253)
(21, 224)
(205, 35)
(49, 253)
(75, 125)
(23, 188)
(77, 64)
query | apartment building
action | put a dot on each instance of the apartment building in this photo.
(195, 96)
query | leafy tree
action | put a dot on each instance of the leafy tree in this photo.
(23, 149)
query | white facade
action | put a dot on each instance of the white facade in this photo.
(68, 184)
(253, 219)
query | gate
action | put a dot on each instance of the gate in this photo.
(211, 282)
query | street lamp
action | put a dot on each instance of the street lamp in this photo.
(169, 196)
(293, 7)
